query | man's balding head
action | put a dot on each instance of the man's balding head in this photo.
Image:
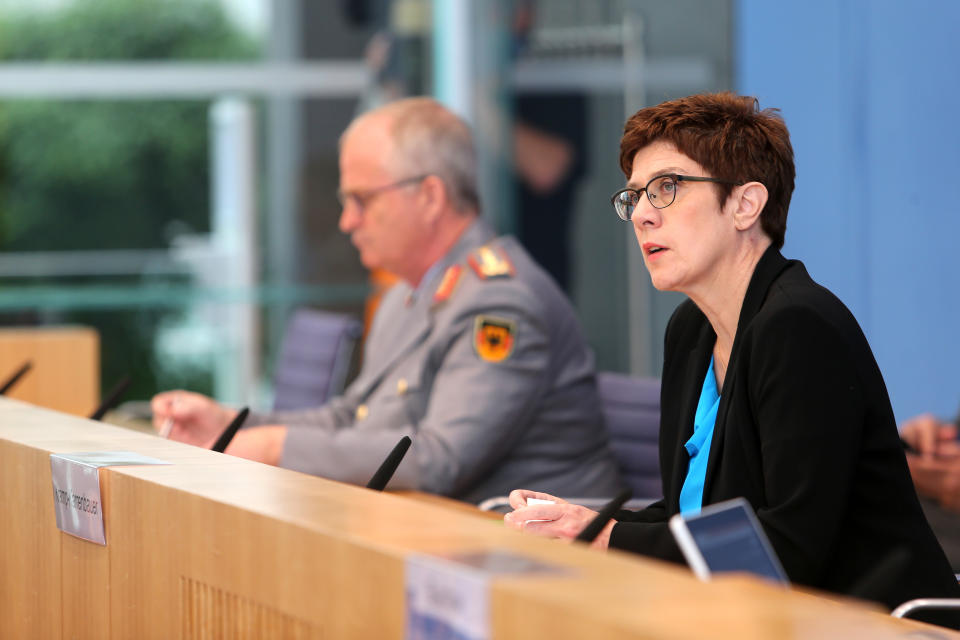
(407, 185)
(426, 138)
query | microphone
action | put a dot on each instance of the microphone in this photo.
(221, 444)
(592, 530)
(111, 398)
(385, 472)
(16, 377)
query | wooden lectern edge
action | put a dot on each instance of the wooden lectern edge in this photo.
(614, 583)
(623, 589)
(243, 476)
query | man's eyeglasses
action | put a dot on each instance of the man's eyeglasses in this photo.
(661, 192)
(364, 198)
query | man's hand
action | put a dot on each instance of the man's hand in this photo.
(262, 444)
(190, 417)
(931, 436)
(936, 467)
(937, 478)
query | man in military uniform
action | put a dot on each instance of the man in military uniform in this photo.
(476, 354)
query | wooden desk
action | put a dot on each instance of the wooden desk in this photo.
(66, 366)
(217, 547)
(451, 504)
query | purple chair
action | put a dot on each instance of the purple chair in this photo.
(631, 408)
(314, 359)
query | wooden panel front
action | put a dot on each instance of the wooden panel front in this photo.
(66, 367)
(214, 546)
(29, 545)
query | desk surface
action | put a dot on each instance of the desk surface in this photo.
(215, 546)
(450, 504)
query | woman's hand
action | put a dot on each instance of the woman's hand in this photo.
(560, 519)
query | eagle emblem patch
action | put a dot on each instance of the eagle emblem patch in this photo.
(493, 338)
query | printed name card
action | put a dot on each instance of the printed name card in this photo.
(449, 596)
(76, 489)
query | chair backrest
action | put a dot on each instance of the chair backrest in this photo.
(314, 358)
(631, 408)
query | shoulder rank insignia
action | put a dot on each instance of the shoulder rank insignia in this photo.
(493, 338)
(490, 262)
(447, 284)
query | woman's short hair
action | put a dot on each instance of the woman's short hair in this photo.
(429, 139)
(730, 137)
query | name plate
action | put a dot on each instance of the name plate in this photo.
(76, 489)
(449, 596)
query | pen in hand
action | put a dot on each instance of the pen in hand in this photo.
(167, 425)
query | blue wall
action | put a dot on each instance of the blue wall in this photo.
(870, 90)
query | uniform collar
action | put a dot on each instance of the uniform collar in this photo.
(477, 234)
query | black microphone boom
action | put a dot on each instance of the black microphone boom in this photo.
(385, 472)
(12, 380)
(111, 399)
(221, 444)
(592, 530)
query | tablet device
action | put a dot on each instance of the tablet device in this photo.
(726, 537)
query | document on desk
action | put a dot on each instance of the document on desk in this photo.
(449, 596)
(76, 489)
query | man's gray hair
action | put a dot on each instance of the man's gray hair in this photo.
(429, 139)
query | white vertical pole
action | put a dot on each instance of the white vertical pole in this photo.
(471, 44)
(283, 149)
(639, 288)
(233, 241)
(453, 74)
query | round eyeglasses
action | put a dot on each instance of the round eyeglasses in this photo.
(661, 192)
(363, 198)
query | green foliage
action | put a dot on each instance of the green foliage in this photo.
(125, 30)
(93, 174)
(102, 175)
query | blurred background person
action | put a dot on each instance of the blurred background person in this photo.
(548, 154)
(935, 467)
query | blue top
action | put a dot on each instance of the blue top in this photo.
(698, 446)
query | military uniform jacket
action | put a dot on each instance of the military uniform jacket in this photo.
(485, 367)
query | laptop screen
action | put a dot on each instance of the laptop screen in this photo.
(730, 539)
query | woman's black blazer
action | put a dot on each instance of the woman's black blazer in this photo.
(805, 432)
